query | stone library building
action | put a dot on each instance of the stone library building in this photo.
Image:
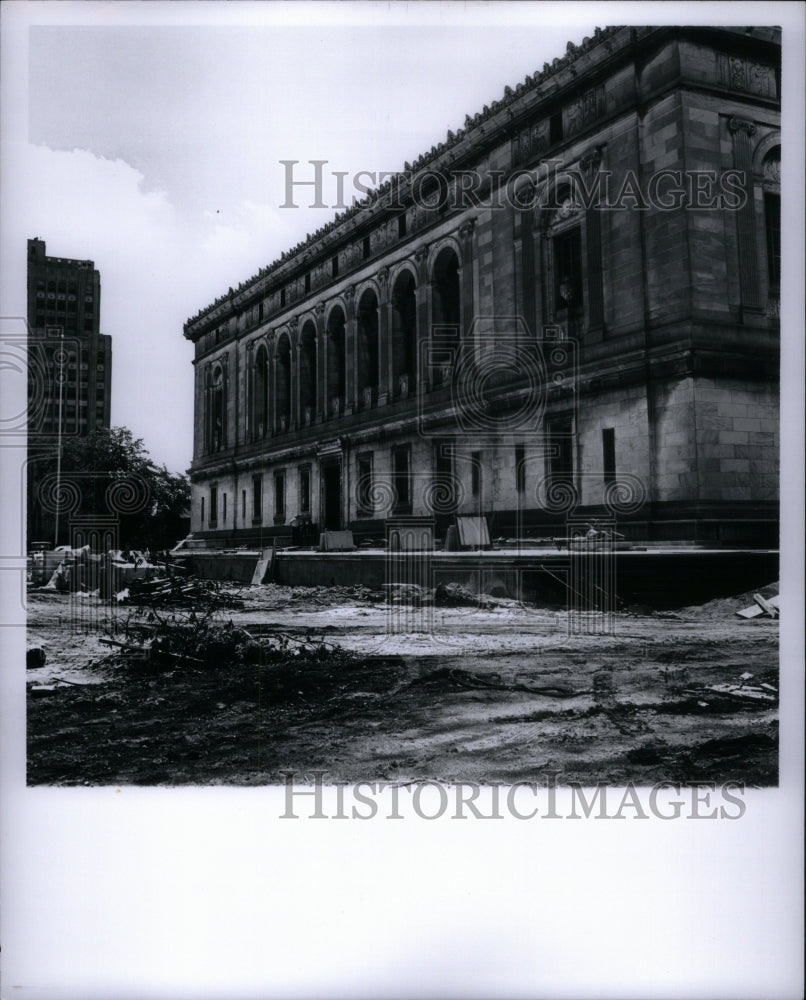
(569, 308)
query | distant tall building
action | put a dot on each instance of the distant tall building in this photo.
(69, 364)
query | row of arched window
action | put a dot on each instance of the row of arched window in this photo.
(294, 381)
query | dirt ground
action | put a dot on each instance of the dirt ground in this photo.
(500, 692)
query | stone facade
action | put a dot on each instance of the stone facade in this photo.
(591, 330)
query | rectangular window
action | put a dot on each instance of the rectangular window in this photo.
(257, 499)
(365, 247)
(243, 506)
(307, 283)
(556, 127)
(334, 267)
(560, 452)
(364, 491)
(305, 489)
(402, 478)
(444, 477)
(224, 508)
(282, 297)
(213, 505)
(401, 225)
(609, 454)
(475, 473)
(202, 511)
(772, 212)
(279, 497)
(568, 272)
(520, 468)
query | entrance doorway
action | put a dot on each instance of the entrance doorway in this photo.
(331, 496)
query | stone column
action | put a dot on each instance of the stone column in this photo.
(225, 394)
(384, 338)
(742, 132)
(322, 402)
(293, 373)
(466, 278)
(593, 240)
(350, 353)
(249, 394)
(423, 301)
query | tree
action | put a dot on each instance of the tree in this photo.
(109, 475)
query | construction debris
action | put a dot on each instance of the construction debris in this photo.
(761, 607)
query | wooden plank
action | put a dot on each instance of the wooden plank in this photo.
(263, 562)
(766, 606)
(473, 531)
(755, 610)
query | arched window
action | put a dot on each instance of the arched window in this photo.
(771, 182)
(565, 291)
(446, 300)
(261, 403)
(367, 316)
(404, 335)
(217, 429)
(282, 398)
(336, 389)
(307, 372)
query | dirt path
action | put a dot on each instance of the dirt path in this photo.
(501, 693)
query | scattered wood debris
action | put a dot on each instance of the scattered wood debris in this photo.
(762, 607)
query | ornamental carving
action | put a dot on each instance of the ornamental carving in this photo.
(584, 110)
(531, 141)
(741, 125)
(743, 74)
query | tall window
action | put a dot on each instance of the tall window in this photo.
(609, 454)
(336, 389)
(367, 361)
(305, 489)
(404, 335)
(475, 473)
(213, 506)
(261, 403)
(560, 451)
(283, 376)
(217, 414)
(402, 478)
(307, 373)
(364, 486)
(444, 478)
(772, 214)
(257, 499)
(520, 468)
(279, 497)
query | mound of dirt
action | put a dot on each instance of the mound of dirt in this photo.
(726, 607)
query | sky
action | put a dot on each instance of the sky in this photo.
(154, 149)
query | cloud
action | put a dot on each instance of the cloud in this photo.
(158, 266)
